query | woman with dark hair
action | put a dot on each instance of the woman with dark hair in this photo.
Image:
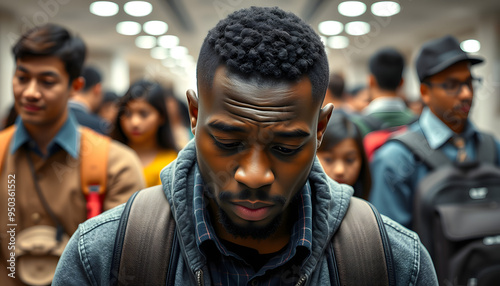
(343, 157)
(142, 124)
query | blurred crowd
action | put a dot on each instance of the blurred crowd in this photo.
(147, 126)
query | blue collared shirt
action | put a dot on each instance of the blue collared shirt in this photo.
(68, 139)
(396, 174)
(230, 269)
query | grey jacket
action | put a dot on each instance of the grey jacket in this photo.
(87, 257)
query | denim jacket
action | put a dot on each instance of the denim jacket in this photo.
(87, 257)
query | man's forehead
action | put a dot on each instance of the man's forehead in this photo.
(257, 99)
(41, 65)
(458, 69)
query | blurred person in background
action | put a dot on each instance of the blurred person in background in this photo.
(11, 117)
(144, 125)
(335, 91)
(85, 102)
(40, 179)
(357, 99)
(416, 105)
(179, 120)
(387, 109)
(343, 157)
(108, 108)
(447, 89)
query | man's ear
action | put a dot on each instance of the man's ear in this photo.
(193, 109)
(401, 82)
(372, 82)
(77, 84)
(324, 116)
(425, 93)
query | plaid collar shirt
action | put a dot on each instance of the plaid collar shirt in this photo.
(228, 268)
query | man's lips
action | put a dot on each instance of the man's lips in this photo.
(252, 211)
(252, 204)
(31, 107)
(464, 107)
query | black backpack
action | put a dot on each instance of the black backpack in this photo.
(456, 212)
(146, 238)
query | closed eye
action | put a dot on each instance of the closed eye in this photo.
(286, 151)
(228, 146)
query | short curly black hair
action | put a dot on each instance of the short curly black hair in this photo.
(267, 42)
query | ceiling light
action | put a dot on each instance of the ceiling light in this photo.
(338, 42)
(169, 62)
(385, 8)
(155, 27)
(470, 46)
(352, 8)
(104, 8)
(138, 8)
(330, 28)
(128, 28)
(357, 28)
(178, 52)
(159, 53)
(145, 42)
(168, 41)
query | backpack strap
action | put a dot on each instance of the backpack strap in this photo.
(361, 246)
(487, 151)
(415, 141)
(5, 138)
(141, 239)
(94, 150)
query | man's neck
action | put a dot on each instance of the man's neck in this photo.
(379, 93)
(43, 134)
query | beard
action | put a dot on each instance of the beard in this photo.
(251, 230)
(260, 232)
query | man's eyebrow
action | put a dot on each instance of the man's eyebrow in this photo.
(297, 133)
(23, 69)
(221, 126)
(45, 73)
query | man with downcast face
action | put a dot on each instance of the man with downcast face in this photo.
(251, 203)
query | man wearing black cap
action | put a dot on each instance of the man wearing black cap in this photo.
(447, 88)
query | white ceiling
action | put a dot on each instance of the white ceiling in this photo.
(190, 20)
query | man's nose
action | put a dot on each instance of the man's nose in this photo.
(254, 169)
(32, 92)
(466, 91)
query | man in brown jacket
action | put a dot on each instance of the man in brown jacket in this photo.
(41, 198)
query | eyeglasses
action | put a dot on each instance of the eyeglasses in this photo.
(453, 87)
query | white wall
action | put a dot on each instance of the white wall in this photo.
(7, 28)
